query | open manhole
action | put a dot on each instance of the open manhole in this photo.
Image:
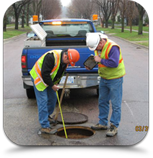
(76, 132)
(72, 118)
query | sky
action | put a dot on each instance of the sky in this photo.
(65, 2)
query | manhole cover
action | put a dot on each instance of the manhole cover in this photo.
(75, 132)
(72, 118)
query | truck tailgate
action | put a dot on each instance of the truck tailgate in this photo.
(33, 55)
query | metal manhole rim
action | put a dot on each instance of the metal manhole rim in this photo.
(85, 119)
(75, 127)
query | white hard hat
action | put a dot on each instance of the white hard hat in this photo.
(103, 36)
(93, 39)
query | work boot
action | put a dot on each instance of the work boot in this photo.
(99, 127)
(48, 130)
(51, 120)
(112, 131)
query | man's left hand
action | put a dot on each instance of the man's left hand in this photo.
(97, 59)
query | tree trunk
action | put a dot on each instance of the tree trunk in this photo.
(27, 16)
(113, 22)
(4, 23)
(130, 24)
(16, 22)
(141, 11)
(23, 15)
(122, 25)
(106, 23)
(130, 28)
(140, 30)
(22, 21)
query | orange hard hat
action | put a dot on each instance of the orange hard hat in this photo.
(74, 56)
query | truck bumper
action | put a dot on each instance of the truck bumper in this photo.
(27, 82)
(80, 81)
(74, 81)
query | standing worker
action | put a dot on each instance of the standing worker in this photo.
(111, 70)
(46, 74)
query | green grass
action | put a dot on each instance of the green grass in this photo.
(145, 28)
(11, 32)
(134, 37)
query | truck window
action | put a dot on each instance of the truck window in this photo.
(67, 29)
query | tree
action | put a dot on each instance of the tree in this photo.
(8, 13)
(22, 16)
(80, 9)
(17, 10)
(130, 13)
(105, 8)
(5, 22)
(115, 6)
(141, 11)
(27, 14)
(122, 8)
(100, 16)
(51, 9)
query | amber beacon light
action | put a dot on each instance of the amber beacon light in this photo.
(94, 17)
(35, 18)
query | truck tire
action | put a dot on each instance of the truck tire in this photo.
(30, 93)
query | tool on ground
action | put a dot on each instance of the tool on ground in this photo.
(61, 98)
(61, 115)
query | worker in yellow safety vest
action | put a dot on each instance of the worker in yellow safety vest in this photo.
(111, 70)
(46, 74)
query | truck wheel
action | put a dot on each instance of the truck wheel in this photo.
(30, 93)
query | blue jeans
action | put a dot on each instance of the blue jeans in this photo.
(46, 101)
(110, 90)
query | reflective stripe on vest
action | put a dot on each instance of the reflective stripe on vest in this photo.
(57, 60)
(38, 79)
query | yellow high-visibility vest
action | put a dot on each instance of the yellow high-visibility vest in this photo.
(108, 72)
(36, 70)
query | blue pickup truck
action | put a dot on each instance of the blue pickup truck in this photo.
(61, 34)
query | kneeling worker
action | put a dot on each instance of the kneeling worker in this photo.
(46, 74)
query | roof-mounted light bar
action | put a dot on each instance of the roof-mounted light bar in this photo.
(63, 22)
(56, 23)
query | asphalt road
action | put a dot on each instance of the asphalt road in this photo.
(20, 114)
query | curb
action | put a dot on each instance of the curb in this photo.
(15, 37)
